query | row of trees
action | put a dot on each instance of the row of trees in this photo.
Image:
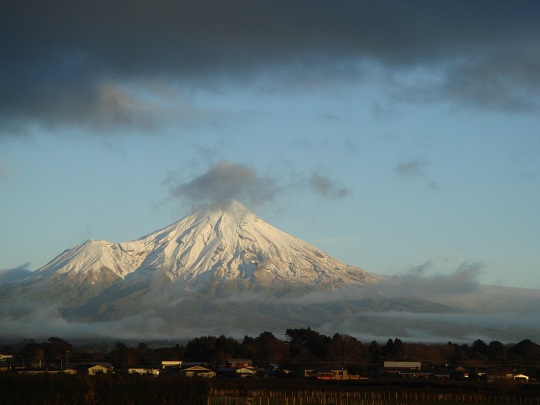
(300, 347)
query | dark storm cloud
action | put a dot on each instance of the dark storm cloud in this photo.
(75, 63)
(222, 182)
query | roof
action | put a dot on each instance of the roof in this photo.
(402, 364)
(196, 368)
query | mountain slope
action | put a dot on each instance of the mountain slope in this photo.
(218, 250)
(222, 270)
(225, 246)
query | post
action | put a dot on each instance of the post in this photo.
(67, 362)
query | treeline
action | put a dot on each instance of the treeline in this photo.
(301, 347)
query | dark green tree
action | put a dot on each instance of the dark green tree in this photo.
(480, 347)
(307, 342)
(346, 350)
(57, 348)
(374, 351)
(496, 350)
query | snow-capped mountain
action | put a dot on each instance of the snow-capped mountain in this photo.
(218, 250)
(223, 270)
(227, 245)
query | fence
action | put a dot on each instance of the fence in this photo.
(370, 398)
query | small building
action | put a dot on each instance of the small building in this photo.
(246, 372)
(326, 374)
(6, 361)
(141, 370)
(198, 371)
(92, 368)
(239, 363)
(100, 368)
(406, 365)
(171, 364)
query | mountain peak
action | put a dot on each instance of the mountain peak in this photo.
(224, 247)
(219, 250)
(231, 208)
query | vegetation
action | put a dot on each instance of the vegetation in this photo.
(302, 348)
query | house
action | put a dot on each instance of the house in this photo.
(100, 368)
(401, 367)
(246, 372)
(326, 374)
(460, 373)
(521, 377)
(171, 364)
(5, 362)
(92, 368)
(141, 370)
(239, 363)
(187, 364)
(198, 371)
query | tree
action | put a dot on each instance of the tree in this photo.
(480, 347)
(398, 349)
(394, 349)
(32, 352)
(56, 348)
(496, 350)
(374, 351)
(144, 354)
(525, 350)
(345, 350)
(307, 342)
(122, 355)
(270, 348)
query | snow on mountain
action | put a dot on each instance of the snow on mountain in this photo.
(89, 257)
(226, 243)
(220, 250)
(220, 270)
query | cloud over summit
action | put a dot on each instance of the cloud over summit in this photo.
(224, 181)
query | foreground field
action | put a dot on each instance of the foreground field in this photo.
(372, 392)
(59, 389)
